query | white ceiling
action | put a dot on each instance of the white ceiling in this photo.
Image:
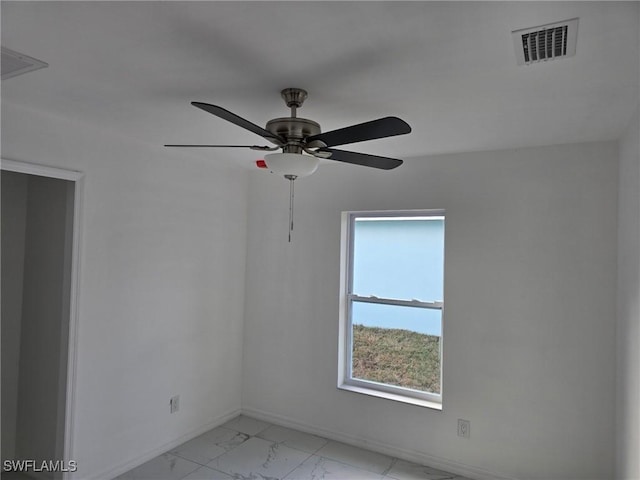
(447, 68)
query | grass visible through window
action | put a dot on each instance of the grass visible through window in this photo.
(397, 357)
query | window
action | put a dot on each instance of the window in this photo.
(392, 305)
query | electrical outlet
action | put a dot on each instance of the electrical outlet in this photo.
(464, 428)
(174, 404)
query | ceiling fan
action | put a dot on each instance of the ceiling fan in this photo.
(297, 135)
(303, 144)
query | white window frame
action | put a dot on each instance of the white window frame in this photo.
(347, 297)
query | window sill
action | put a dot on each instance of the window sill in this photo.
(392, 396)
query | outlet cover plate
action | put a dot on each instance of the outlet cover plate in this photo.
(174, 404)
(464, 428)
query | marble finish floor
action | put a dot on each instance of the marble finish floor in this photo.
(248, 449)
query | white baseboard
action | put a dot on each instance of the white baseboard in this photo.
(404, 454)
(125, 467)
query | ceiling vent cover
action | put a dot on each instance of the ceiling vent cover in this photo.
(14, 63)
(546, 42)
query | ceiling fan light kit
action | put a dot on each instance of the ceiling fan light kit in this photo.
(294, 164)
(303, 143)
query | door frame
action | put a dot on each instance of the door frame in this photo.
(77, 178)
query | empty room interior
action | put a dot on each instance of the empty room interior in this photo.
(184, 250)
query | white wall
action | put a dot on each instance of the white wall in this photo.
(530, 275)
(529, 333)
(628, 326)
(161, 288)
(14, 220)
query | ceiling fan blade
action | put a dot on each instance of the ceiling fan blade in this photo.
(380, 128)
(384, 163)
(252, 147)
(241, 122)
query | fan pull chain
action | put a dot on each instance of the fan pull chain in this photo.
(291, 179)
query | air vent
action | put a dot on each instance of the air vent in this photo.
(14, 63)
(546, 42)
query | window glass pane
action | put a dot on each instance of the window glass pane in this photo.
(401, 259)
(396, 345)
(421, 320)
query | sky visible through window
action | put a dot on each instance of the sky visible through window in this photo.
(399, 259)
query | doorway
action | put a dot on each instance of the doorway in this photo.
(39, 246)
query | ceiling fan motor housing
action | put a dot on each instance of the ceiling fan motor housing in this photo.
(295, 130)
